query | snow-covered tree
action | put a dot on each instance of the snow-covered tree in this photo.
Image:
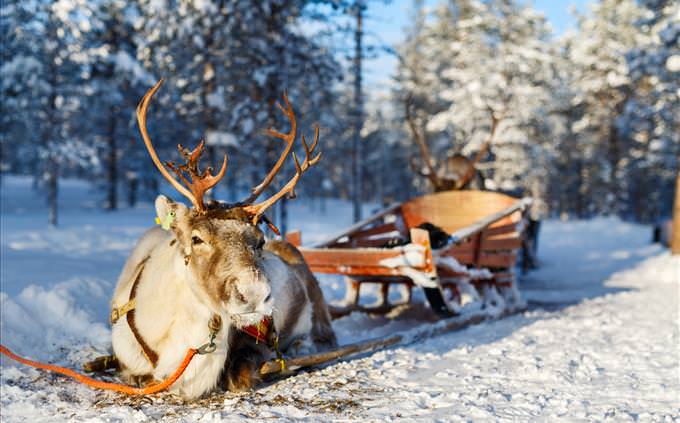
(115, 81)
(472, 62)
(41, 88)
(651, 116)
(602, 86)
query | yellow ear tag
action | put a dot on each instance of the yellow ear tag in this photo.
(165, 223)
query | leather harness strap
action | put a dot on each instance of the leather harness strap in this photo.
(128, 310)
(149, 353)
(118, 312)
(259, 331)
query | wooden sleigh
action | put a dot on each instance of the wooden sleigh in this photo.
(475, 263)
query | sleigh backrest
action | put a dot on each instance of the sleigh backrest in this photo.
(453, 210)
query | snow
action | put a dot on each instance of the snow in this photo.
(673, 63)
(599, 341)
(412, 255)
(219, 138)
(127, 64)
(455, 266)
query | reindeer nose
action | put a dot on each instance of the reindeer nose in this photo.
(269, 297)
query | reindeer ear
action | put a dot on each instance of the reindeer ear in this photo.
(163, 206)
(170, 214)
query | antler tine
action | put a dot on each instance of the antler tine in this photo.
(178, 171)
(196, 153)
(316, 140)
(200, 181)
(420, 138)
(256, 210)
(141, 121)
(289, 138)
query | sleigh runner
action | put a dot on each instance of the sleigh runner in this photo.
(477, 237)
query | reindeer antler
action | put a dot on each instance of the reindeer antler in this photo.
(289, 138)
(200, 182)
(419, 137)
(256, 210)
(495, 120)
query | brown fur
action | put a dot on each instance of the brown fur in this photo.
(463, 172)
(322, 331)
(458, 165)
(241, 372)
(236, 246)
(293, 315)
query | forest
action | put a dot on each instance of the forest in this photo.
(586, 123)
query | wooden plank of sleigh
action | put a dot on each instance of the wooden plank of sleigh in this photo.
(346, 253)
(484, 250)
(294, 365)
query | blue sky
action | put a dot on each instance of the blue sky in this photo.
(385, 24)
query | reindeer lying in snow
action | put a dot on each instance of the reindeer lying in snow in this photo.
(208, 276)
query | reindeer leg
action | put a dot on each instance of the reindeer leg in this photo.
(245, 357)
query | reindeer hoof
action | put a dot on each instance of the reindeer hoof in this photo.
(141, 381)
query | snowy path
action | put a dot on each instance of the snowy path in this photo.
(613, 354)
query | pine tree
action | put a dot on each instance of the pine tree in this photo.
(115, 81)
(41, 86)
(477, 61)
(651, 116)
(602, 86)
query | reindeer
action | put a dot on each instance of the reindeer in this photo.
(208, 274)
(457, 172)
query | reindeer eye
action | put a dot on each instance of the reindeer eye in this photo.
(196, 240)
(240, 297)
(260, 243)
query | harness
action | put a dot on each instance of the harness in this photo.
(128, 310)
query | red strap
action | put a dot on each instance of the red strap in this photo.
(106, 385)
(259, 331)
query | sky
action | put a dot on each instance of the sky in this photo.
(385, 23)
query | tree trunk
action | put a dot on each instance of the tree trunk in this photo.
(112, 195)
(614, 206)
(675, 235)
(358, 115)
(52, 190)
(132, 191)
(112, 171)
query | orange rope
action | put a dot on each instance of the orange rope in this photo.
(106, 385)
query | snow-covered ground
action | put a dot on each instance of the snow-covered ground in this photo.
(601, 341)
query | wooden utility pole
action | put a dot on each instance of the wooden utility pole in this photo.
(675, 231)
(358, 113)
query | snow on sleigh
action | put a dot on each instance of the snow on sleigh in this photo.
(460, 247)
